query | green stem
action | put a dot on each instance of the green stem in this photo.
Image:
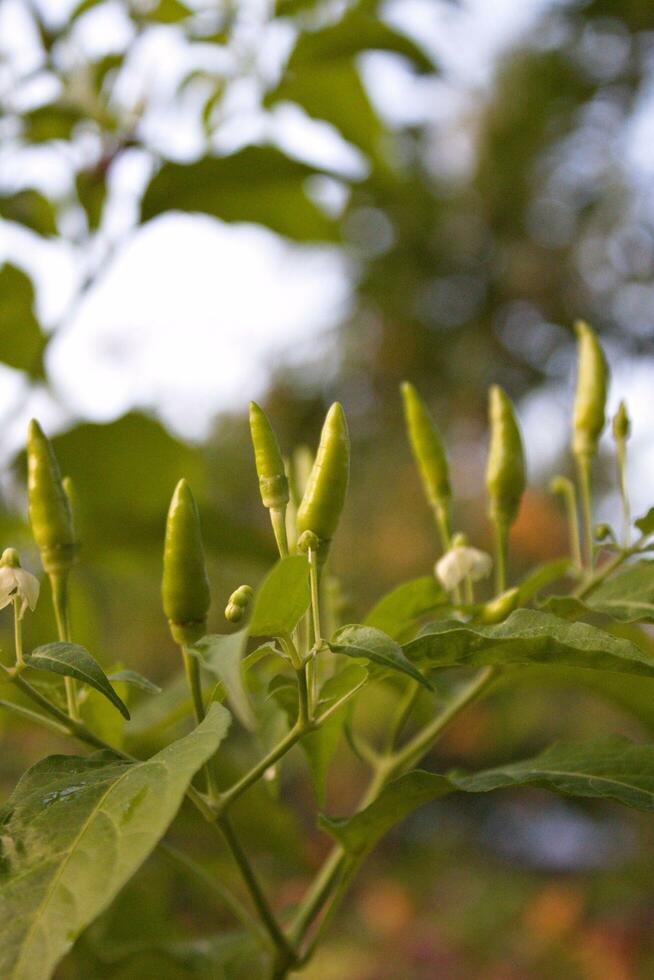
(224, 895)
(59, 585)
(192, 669)
(583, 468)
(593, 581)
(278, 521)
(337, 863)
(401, 714)
(18, 633)
(33, 716)
(501, 554)
(621, 455)
(237, 789)
(285, 950)
(315, 596)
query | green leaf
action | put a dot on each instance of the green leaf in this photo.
(21, 341)
(91, 186)
(30, 208)
(645, 524)
(168, 12)
(398, 610)
(259, 183)
(627, 596)
(222, 656)
(360, 833)
(75, 830)
(609, 768)
(368, 643)
(282, 599)
(527, 636)
(138, 680)
(357, 31)
(55, 121)
(72, 660)
(320, 745)
(541, 577)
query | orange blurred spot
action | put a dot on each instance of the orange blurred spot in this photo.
(386, 908)
(554, 912)
(540, 531)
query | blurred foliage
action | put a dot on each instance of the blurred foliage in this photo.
(467, 270)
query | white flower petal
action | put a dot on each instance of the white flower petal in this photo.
(28, 587)
(457, 563)
(7, 585)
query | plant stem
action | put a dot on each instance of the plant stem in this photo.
(583, 468)
(18, 633)
(570, 497)
(286, 952)
(33, 716)
(278, 521)
(59, 585)
(621, 457)
(337, 861)
(192, 669)
(223, 894)
(598, 577)
(228, 796)
(501, 553)
(402, 713)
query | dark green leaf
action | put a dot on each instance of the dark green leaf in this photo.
(30, 208)
(527, 636)
(222, 656)
(610, 768)
(628, 597)
(168, 12)
(361, 832)
(76, 829)
(54, 121)
(282, 599)
(91, 188)
(257, 184)
(645, 524)
(398, 610)
(138, 680)
(365, 642)
(73, 660)
(541, 577)
(21, 341)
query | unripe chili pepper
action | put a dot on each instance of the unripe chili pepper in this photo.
(238, 603)
(273, 483)
(498, 609)
(427, 447)
(49, 507)
(324, 495)
(184, 587)
(505, 469)
(621, 424)
(590, 398)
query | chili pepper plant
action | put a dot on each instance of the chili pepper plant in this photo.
(77, 827)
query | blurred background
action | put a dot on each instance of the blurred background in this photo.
(203, 202)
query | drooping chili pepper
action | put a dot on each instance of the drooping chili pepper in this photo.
(590, 397)
(238, 603)
(326, 487)
(498, 609)
(505, 475)
(184, 587)
(49, 507)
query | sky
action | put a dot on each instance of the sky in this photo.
(246, 300)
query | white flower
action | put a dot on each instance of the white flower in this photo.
(15, 581)
(460, 562)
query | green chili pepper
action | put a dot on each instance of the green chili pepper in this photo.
(185, 587)
(427, 447)
(325, 491)
(498, 609)
(590, 398)
(49, 507)
(621, 424)
(505, 469)
(273, 483)
(238, 603)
